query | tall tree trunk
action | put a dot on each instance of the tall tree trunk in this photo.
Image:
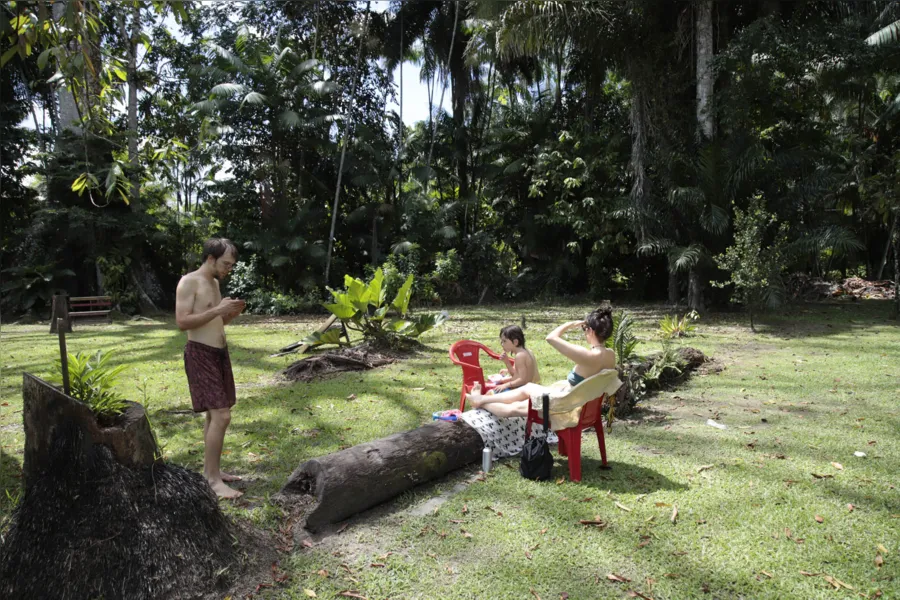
(695, 290)
(132, 41)
(375, 237)
(459, 82)
(402, 131)
(705, 130)
(344, 141)
(673, 287)
(887, 250)
(559, 62)
(68, 115)
(92, 54)
(704, 69)
(640, 125)
(896, 236)
(484, 127)
(459, 79)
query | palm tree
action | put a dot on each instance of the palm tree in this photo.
(272, 108)
(694, 214)
(440, 27)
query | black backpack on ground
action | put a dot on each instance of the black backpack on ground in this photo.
(537, 462)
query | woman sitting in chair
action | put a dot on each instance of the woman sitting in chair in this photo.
(588, 362)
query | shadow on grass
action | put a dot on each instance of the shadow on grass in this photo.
(818, 320)
(621, 477)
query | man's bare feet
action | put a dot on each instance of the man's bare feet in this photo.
(227, 477)
(223, 491)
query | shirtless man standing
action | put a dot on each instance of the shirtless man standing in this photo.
(203, 313)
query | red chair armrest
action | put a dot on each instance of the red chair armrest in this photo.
(491, 353)
(462, 364)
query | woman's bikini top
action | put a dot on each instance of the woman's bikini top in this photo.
(574, 378)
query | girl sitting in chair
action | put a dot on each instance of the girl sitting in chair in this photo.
(597, 326)
(524, 369)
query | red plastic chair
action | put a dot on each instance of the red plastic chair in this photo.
(570, 439)
(465, 354)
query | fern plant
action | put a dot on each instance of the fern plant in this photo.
(92, 380)
(622, 339)
(671, 326)
(668, 359)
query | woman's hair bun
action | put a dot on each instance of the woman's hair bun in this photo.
(600, 321)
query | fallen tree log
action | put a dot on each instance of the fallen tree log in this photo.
(353, 480)
(103, 517)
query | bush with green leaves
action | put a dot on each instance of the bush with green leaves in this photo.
(445, 278)
(244, 279)
(638, 376)
(116, 269)
(405, 260)
(641, 377)
(246, 283)
(269, 302)
(31, 287)
(92, 380)
(361, 307)
(671, 326)
(757, 259)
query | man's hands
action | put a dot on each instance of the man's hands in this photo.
(229, 308)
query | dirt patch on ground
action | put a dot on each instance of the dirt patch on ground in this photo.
(712, 366)
(358, 358)
(257, 567)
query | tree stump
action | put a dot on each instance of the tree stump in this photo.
(51, 417)
(102, 516)
(350, 481)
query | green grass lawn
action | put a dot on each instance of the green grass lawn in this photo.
(776, 496)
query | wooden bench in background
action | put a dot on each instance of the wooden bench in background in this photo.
(90, 307)
(84, 309)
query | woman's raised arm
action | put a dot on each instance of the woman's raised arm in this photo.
(577, 354)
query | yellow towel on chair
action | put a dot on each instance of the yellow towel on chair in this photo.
(566, 401)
